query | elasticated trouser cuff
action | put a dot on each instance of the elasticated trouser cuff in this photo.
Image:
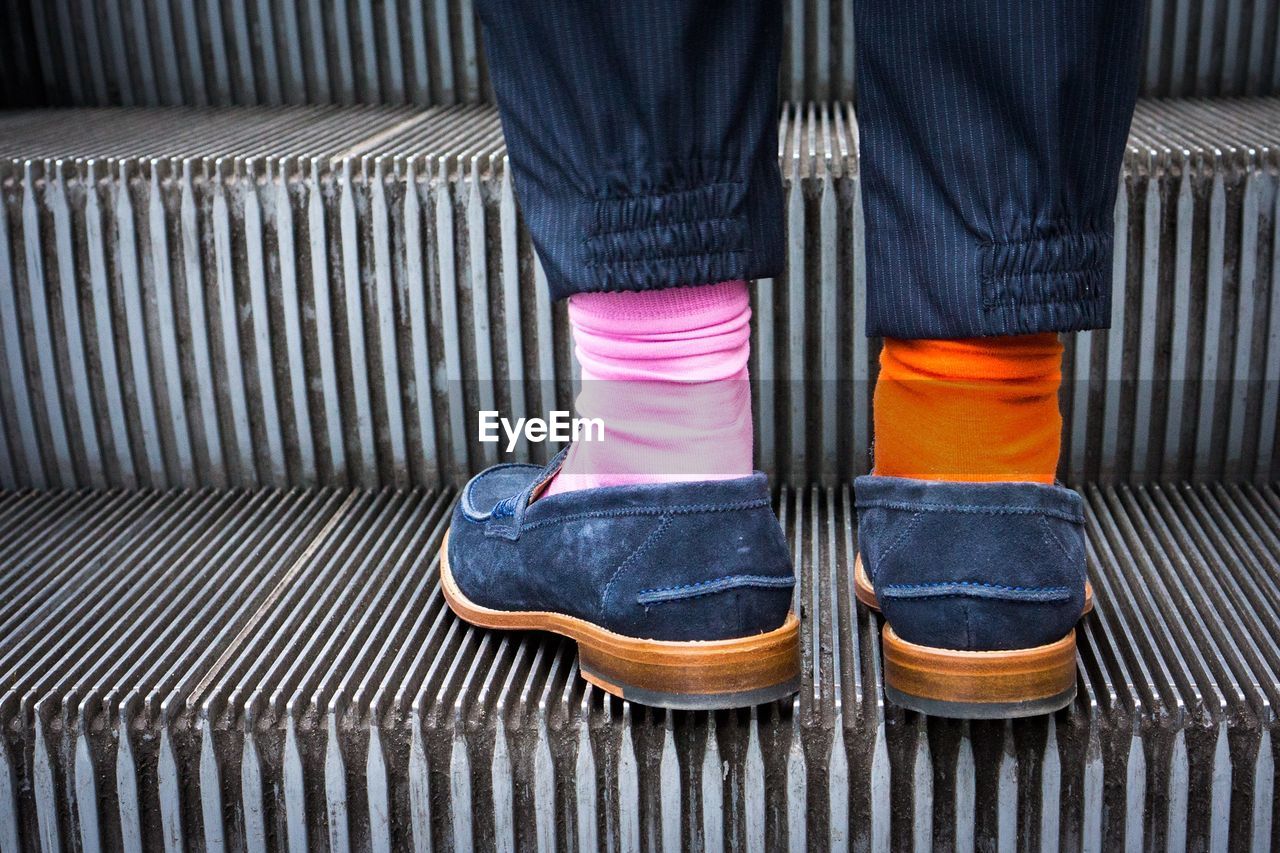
(687, 231)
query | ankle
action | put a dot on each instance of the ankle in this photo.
(978, 410)
(666, 373)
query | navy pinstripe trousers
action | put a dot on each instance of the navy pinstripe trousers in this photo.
(643, 139)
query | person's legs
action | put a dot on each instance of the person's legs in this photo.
(991, 135)
(643, 143)
(643, 139)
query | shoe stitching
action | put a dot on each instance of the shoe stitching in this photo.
(972, 509)
(644, 546)
(1054, 537)
(1066, 552)
(686, 509)
(907, 528)
(468, 508)
(974, 589)
(694, 590)
(504, 508)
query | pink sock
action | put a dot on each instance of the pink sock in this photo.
(666, 372)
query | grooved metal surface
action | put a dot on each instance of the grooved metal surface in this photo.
(1192, 48)
(429, 52)
(274, 297)
(269, 669)
(245, 52)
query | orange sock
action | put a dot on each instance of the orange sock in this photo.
(978, 410)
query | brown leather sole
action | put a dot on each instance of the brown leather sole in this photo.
(975, 685)
(696, 675)
(866, 593)
(979, 685)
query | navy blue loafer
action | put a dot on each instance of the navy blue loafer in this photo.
(677, 594)
(981, 585)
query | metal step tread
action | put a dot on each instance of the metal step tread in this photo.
(253, 297)
(1164, 132)
(238, 668)
(173, 52)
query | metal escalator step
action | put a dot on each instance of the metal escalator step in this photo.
(256, 669)
(291, 329)
(1191, 48)
(169, 52)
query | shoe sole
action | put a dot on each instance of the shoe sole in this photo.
(979, 685)
(693, 675)
(975, 685)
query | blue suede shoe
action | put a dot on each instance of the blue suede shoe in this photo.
(981, 585)
(678, 594)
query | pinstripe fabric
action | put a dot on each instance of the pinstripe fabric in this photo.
(642, 136)
(992, 133)
(643, 143)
